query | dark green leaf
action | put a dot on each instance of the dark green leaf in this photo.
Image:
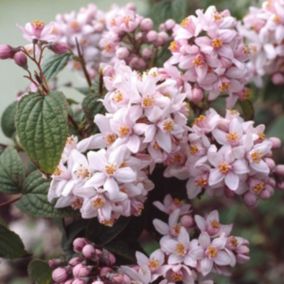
(247, 109)
(12, 171)
(124, 250)
(39, 272)
(277, 128)
(91, 106)
(54, 64)
(8, 120)
(42, 128)
(34, 200)
(11, 246)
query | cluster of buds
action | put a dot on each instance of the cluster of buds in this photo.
(131, 37)
(83, 28)
(90, 265)
(264, 30)
(228, 155)
(209, 56)
(183, 259)
(9, 52)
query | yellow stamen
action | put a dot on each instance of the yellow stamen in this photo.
(201, 182)
(185, 22)
(110, 169)
(168, 126)
(99, 202)
(110, 138)
(148, 101)
(198, 60)
(215, 224)
(124, 131)
(38, 24)
(232, 137)
(212, 252)
(174, 47)
(180, 249)
(224, 87)
(201, 118)
(83, 172)
(153, 264)
(217, 43)
(256, 156)
(224, 168)
(258, 189)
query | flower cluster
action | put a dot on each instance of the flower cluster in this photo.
(264, 30)
(84, 29)
(181, 258)
(106, 183)
(90, 265)
(209, 56)
(228, 155)
(131, 37)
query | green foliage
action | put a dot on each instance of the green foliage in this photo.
(247, 109)
(168, 9)
(34, 200)
(12, 171)
(11, 246)
(277, 128)
(55, 64)
(92, 106)
(8, 120)
(41, 123)
(39, 272)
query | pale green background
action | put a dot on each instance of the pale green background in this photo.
(14, 12)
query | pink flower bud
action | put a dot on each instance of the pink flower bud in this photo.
(80, 271)
(164, 36)
(78, 281)
(68, 282)
(53, 263)
(147, 53)
(270, 163)
(139, 36)
(78, 244)
(98, 27)
(122, 53)
(169, 24)
(74, 261)
(278, 79)
(187, 221)
(279, 169)
(131, 6)
(21, 59)
(146, 24)
(250, 199)
(59, 48)
(276, 142)
(6, 51)
(196, 95)
(89, 251)
(59, 274)
(152, 36)
(104, 271)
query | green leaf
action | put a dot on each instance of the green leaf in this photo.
(92, 106)
(169, 9)
(34, 200)
(12, 171)
(42, 127)
(11, 246)
(277, 128)
(54, 64)
(247, 109)
(123, 250)
(40, 272)
(8, 120)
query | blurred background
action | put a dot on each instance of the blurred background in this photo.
(263, 226)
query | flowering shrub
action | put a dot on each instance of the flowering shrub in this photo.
(130, 163)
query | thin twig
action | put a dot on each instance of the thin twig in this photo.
(11, 201)
(83, 64)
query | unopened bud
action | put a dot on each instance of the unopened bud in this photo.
(152, 36)
(146, 25)
(78, 244)
(59, 48)
(187, 221)
(278, 79)
(80, 271)
(122, 53)
(6, 51)
(89, 251)
(169, 24)
(21, 59)
(59, 275)
(276, 142)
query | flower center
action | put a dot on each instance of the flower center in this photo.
(38, 24)
(211, 252)
(174, 47)
(82, 172)
(175, 230)
(193, 149)
(124, 131)
(215, 224)
(74, 25)
(168, 126)
(110, 138)
(217, 43)
(118, 96)
(110, 169)
(232, 137)
(185, 22)
(256, 156)
(261, 136)
(224, 87)
(224, 168)
(233, 242)
(153, 264)
(176, 277)
(259, 188)
(148, 101)
(98, 202)
(57, 171)
(198, 60)
(201, 182)
(180, 249)
(77, 203)
(199, 120)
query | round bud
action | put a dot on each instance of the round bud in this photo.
(278, 79)
(21, 59)
(59, 274)
(152, 36)
(146, 25)
(89, 251)
(74, 261)
(59, 48)
(80, 271)
(147, 53)
(104, 271)
(196, 96)
(78, 244)
(78, 281)
(122, 53)
(276, 142)
(169, 24)
(6, 51)
(250, 199)
(187, 221)
(279, 169)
